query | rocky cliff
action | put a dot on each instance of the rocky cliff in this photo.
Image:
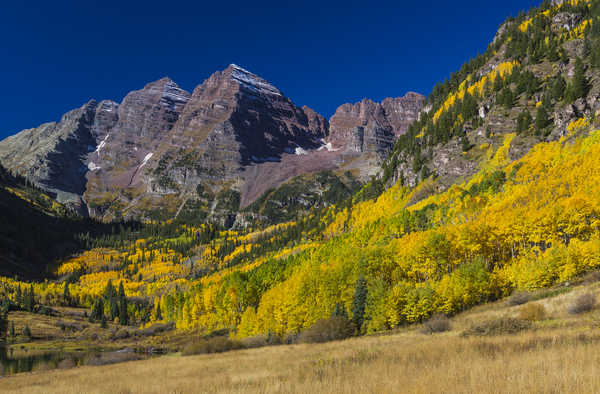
(163, 151)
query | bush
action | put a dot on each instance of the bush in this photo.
(519, 298)
(592, 277)
(437, 323)
(583, 303)
(212, 345)
(533, 312)
(325, 330)
(255, 341)
(500, 326)
(156, 329)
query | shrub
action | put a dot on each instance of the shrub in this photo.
(156, 329)
(583, 303)
(255, 341)
(533, 312)
(437, 323)
(503, 325)
(332, 329)
(519, 298)
(212, 345)
(592, 277)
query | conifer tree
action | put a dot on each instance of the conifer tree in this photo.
(98, 310)
(359, 302)
(123, 313)
(3, 325)
(19, 296)
(340, 310)
(558, 88)
(465, 143)
(12, 329)
(66, 294)
(27, 331)
(29, 303)
(109, 291)
(113, 308)
(595, 56)
(579, 84)
(158, 314)
(541, 120)
(524, 121)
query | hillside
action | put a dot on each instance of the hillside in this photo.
(523, 216)
(36, 230)
(490, 190)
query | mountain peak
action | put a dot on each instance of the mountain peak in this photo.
(251, 81)
(164, 81)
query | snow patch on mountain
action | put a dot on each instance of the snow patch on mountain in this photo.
(146, 158)
(102, 144)
(328, 146)
(253, 82)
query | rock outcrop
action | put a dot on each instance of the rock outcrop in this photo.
(233, 138)
(369, 127)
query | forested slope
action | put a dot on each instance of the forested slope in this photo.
(494, 189)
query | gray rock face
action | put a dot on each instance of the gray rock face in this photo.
(163, 147)
(54, 155)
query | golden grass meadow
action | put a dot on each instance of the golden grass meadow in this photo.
(559, 353)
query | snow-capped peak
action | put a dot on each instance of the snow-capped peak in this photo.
(252, 81)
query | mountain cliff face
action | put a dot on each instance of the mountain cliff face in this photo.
(162, 151)
(373, 127)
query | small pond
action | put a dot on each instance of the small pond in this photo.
(14, 360)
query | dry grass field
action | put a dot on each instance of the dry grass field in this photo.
(559, 353)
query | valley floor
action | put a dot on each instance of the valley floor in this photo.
(560, 353)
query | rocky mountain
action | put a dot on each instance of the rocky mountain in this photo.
(373, 127)
(537, 81)
(163, 152)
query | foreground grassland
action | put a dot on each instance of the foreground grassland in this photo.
(559, 353)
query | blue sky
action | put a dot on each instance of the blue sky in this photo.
(57, 55)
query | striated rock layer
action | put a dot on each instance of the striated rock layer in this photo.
(221, 147)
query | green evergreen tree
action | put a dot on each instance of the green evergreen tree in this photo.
(465, 143)
(595, 56)
(558, 88)
(469, 106)
(524, 121)
(587, 48)
(158, 314)
(19, 297)
(552, 52)
(4, 325)
(579, 85)
(103, 323)
(27, 331)
(12, 329)
(109, 291)
(29, 303)
(340, 310)
(359, 302)
(113, 308)
(123, 313)
(97, 310)
(564, 58)
(67, 294)
(506, 98)
(542, 120)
